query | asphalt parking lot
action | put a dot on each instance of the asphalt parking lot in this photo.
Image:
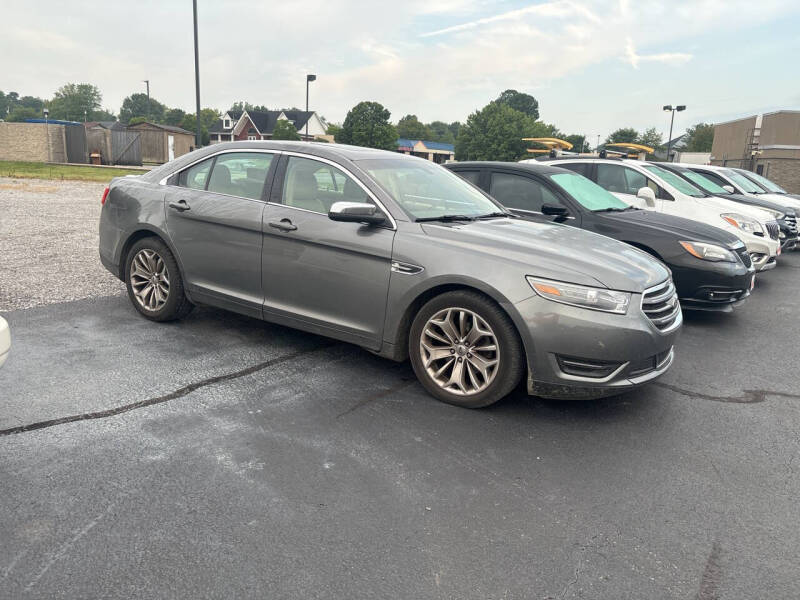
(223, 457)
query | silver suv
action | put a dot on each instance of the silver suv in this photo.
(395, 254)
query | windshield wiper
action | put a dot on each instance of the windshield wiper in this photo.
(495, 215)
(612, 209)
(446, 218)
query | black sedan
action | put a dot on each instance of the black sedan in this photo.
(711, 267)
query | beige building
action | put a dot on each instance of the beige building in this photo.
(767, 144)
(32, 142)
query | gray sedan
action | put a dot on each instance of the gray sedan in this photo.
(397, 255)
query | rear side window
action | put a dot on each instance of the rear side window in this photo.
(196, 176)
(579, 168)
(315, 186)
(521, 193)
(472, 176)
(240, 174)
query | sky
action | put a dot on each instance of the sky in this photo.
(594, 66)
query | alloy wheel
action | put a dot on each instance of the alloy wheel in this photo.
(459, 351)
(149, 280)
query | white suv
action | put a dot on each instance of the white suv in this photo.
(746, 183)
(646, 185)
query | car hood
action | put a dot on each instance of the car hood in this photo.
(556, 252)
(759, 202)
(729, 206)
(684, 229)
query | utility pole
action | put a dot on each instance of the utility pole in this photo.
(309, 79)
(147, 82)
(198, 138)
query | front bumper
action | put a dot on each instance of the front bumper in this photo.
(711, 286)
(763, 252)
(622, 351)
(5, 341)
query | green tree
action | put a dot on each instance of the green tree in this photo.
(578, 141)
(440, 132)
(20, 113)
(241, 106)
(136, 105)
(625, 135)
(284, 130)
(524, 103)
(650, 137)
(409, 127)
(137, 120)
(455, 127)
(74, 101)
(335, 130)
(367, 124)
(174, 116)
(208, 116)
(699, 138)
(495, 133)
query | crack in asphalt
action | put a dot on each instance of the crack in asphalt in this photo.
(747, 396)
(179, 393)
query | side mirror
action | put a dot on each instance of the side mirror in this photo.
(648, 195)
(729, 189)
(554, 210)
(356, 212)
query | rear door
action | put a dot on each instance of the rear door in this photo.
(322, 275)
(214, 213)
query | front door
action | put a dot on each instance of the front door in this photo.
(322, 275)
(214, 216)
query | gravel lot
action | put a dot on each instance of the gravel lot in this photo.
(53, 263)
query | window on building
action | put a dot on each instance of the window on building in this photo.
(226, 123)
(251, 137)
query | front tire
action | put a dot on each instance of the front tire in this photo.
(465, 350)
(154, 282)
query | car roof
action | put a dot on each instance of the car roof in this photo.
(531, 167)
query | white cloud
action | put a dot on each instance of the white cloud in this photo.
(670, 58)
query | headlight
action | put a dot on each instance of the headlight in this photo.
(581, 295)
(744, 223)
(710, 252)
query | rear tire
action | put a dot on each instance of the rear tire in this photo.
(465, 350)
(154, 282)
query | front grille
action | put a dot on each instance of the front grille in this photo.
(586, 367)
(660, 304)
(791, 222)
(744, 256)
(773, 229)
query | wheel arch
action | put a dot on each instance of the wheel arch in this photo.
(142, 232)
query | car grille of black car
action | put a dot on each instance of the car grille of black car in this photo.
(791, 222)
(744, 256)
(773, 229)
(660, 304)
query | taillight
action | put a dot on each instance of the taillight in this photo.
(105, 195)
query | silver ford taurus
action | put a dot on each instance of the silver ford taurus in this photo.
(395, 254)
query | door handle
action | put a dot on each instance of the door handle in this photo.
(180, 205)
(283, 225)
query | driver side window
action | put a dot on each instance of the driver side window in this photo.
(520, 193)
(315, 186)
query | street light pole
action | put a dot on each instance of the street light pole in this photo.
(198, 138)
(309, 79)
(147, 82)
(670, 108)
(47, 131)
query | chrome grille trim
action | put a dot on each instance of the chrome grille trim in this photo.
(773, 229)
(660, 305)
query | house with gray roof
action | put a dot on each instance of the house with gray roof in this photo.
(259, 125)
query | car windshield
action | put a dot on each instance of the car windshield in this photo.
(743, 182)
(766, 183)
(704, 183)
(427, 191)
(676, 181)
(587, 192)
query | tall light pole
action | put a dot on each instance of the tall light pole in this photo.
(598, 143)
(309, 79)
(669, 108)
(198, 138)
(147, 83)
(47, 130)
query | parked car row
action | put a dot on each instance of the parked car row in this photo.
(482, 274)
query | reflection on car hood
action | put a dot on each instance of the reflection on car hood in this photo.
(685, 229)
(729, 206)
(557, 252)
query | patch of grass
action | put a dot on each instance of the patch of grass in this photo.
(47, 171)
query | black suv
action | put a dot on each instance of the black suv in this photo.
(710, 267)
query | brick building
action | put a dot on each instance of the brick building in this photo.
(767, 144)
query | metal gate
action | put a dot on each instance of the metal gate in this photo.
(126, 148)
(75, 137)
